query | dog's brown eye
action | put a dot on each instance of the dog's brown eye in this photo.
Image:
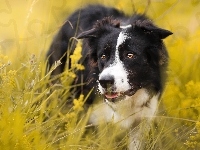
(103, 56)
(130, 55)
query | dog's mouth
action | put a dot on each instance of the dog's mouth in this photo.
(112, 96)
(118, 96)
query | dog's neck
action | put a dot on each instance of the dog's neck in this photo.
(126, 112)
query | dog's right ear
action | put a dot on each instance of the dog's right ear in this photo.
(88, 34)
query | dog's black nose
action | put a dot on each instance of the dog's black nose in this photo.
(106, 81)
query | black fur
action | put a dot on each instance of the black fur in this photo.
(99, 28)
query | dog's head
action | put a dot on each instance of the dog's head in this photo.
(128, 57)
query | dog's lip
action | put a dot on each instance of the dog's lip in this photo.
(112, 95)
(116, 96)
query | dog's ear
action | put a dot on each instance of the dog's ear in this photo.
(87, 34)
(100, 27)
(148, 27)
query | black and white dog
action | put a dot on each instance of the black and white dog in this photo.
(125, 60)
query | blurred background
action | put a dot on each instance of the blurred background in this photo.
(25, 24)
(27, 27)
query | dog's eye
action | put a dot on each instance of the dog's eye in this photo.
(103, 56)
(130, 55)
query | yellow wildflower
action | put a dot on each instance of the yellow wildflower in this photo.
(76, 55)
(71, 74)
(78, 104)
(193, 89)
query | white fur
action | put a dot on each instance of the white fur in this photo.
(126, 113)
(123, 35)
(130, 112)
(116, 69)
(126, 26)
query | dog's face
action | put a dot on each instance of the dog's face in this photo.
(128, 58)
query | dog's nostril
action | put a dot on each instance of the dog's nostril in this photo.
(106, 81)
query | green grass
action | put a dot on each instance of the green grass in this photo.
(35, 115)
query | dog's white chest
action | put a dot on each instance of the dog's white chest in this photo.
(126, 112)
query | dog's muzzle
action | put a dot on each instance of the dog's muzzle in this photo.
(109, 90)
(107, 82)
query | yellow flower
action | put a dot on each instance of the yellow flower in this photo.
(78, 104)
(193, 89)
(12, 72)
(76, 55)
(71, 74)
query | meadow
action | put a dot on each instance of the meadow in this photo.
(37, 116)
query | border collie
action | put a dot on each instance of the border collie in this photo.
(125, 61)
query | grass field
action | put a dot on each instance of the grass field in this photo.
(33, 115)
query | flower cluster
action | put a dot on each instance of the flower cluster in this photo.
(7, 78)
(76, 109)
(182, 94)
(75, 58)
(193, 140)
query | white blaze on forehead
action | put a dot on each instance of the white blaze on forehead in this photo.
(123, 36)
(126, 26)
(116, 69)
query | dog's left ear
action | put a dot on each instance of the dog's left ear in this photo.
(148, 27)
